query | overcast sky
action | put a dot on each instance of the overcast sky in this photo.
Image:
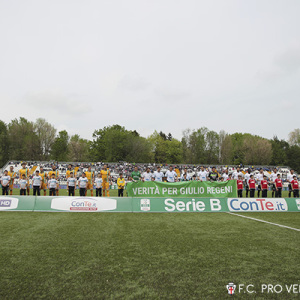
(152, 65)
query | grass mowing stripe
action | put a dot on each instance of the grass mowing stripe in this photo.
(254, 219)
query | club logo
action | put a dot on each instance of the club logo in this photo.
(145, 204)
(231, 288)
(298, 203)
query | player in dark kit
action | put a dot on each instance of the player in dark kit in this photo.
(213, 175)
(251, 183)
(264, 187)
(295, 186)
(240, 186)
(278, 185)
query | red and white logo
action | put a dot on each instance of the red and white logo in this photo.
(231, 288)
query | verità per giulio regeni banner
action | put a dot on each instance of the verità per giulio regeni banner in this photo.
(227, 189)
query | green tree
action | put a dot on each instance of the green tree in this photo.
(200, 146)
(60, 149)
(4, 144)
(46, 137)
(293, 157)
(294, 137)
(212, 147)
(78, 149)
(159, 147)
(23, 140)
(165, 150)
(194, 146)
(279, 152)
(174, 151)
(138, 149)
(257, 150)
(226, 148)
(115, 143)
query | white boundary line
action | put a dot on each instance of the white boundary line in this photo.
(254, 219)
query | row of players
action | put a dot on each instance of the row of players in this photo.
(43, 181)
(248, 181)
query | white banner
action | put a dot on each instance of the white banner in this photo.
(83, 204)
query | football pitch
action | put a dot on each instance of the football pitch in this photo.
(147, 255)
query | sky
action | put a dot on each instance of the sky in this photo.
(164, 65)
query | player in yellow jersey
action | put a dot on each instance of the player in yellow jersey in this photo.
(25, 171)
(12, 175)
(105, 174)
(56, 175)
(90, 176)
(43, 174)
(121, 185)
(69, 171)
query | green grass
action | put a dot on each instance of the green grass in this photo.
(144, 255)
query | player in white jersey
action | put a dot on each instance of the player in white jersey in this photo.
(23, 185)
(82, 184)
(246, 179)
(202, 175)
(71, 184)
(225, 175)
(185, 175)
(273, 176)
(290, 178)
(147, 176)
(171, 175)
(236, 174)
(5, 180)
(98, 184)
(158, 175)
(36, 184)
(52, 185)
(259, 178)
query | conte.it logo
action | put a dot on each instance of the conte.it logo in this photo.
(231, 288)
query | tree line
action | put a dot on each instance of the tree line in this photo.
(25, 140)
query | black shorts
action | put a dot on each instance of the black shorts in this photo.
(98, 192)
(52, 192)
(36, 190)
(71, 190)
(240, 193)
(82, 192)
(5, 190)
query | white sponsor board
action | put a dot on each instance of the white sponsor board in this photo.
(257, 204)
(8, 203)
(87, 204)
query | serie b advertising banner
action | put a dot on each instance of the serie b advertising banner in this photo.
(197, 189)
